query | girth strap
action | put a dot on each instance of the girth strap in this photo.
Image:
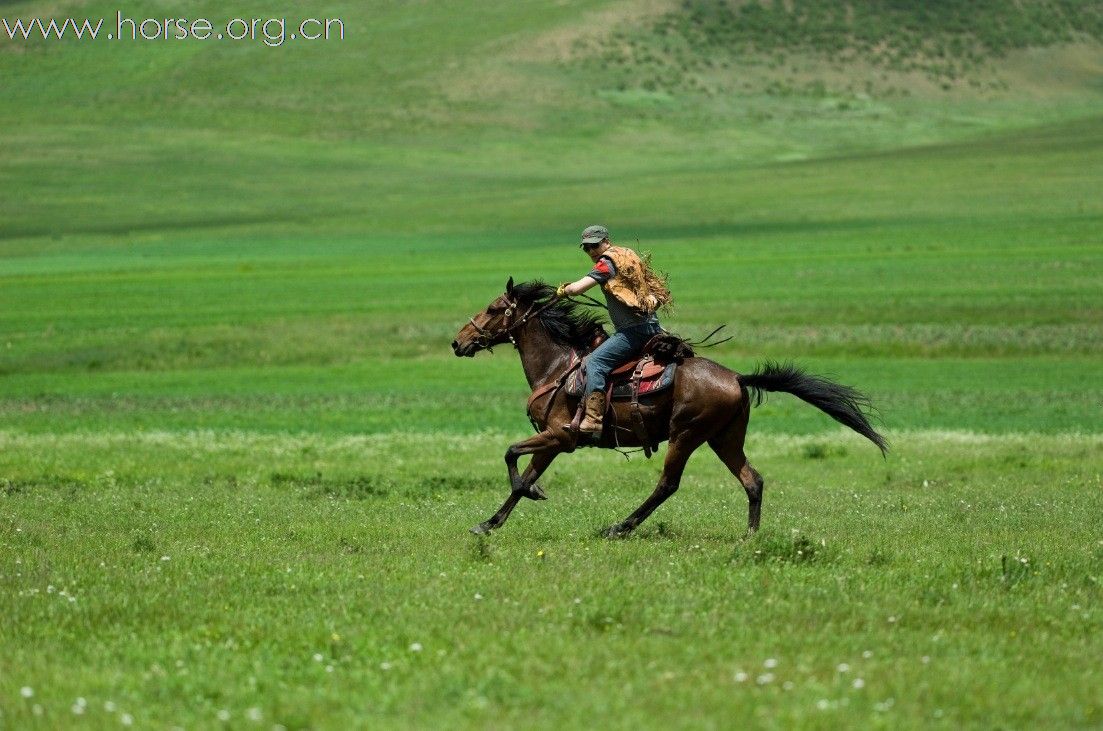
(638, 425)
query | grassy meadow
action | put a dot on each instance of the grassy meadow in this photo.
(238, 460)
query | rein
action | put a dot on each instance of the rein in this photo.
(486, 337)
(704, 342)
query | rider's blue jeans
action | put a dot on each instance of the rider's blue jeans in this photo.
(621, 347)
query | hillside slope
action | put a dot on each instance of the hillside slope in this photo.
(423, 102)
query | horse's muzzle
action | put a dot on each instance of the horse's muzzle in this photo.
(463, 351)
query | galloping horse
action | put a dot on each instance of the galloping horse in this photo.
(708, 402)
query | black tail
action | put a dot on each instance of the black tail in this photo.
(844, 404)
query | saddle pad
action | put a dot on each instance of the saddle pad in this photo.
(655, 378)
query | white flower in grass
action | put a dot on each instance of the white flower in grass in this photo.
(385, 665)
(415, 647)
(859, 683)
(223, 715)
(254, 714)
(109, 706)
(765, 678)
(822, 704)
(770, 663)
(843, 667)
(318, 657)
(77, 709)
(867, 654)
(741, 677)
(126, 719)
(26, 691)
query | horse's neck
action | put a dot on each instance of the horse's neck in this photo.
(541, 357)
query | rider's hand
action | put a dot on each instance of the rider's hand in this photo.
(561, 291)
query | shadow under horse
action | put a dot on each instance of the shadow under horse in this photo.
(708, 403)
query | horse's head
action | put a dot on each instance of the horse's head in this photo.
(493, 326)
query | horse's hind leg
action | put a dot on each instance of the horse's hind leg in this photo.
(676, 457)
(752, 483)
(728, 446)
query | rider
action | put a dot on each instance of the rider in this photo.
(633, 293)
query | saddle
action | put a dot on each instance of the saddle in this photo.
(625, 381)
(649, 373)
(646, 375)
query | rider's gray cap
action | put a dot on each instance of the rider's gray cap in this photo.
(595, 234)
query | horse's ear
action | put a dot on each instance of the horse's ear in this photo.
(509, 286)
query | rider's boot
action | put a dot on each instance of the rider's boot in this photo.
(595, 411)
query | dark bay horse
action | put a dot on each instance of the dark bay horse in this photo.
(707, 404)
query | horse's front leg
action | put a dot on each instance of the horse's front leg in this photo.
(536, 467)
(532, 472)
(547, 443)
(543, 447)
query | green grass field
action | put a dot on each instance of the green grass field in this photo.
(238, 460)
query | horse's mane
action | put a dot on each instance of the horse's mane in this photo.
(567, 322)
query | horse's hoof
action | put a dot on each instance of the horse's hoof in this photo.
(617, 531)
(482, 528)
(535, 492)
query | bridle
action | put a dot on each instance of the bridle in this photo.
(486, 338)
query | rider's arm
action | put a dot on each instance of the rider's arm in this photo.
(581, 285)
(603, 271)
